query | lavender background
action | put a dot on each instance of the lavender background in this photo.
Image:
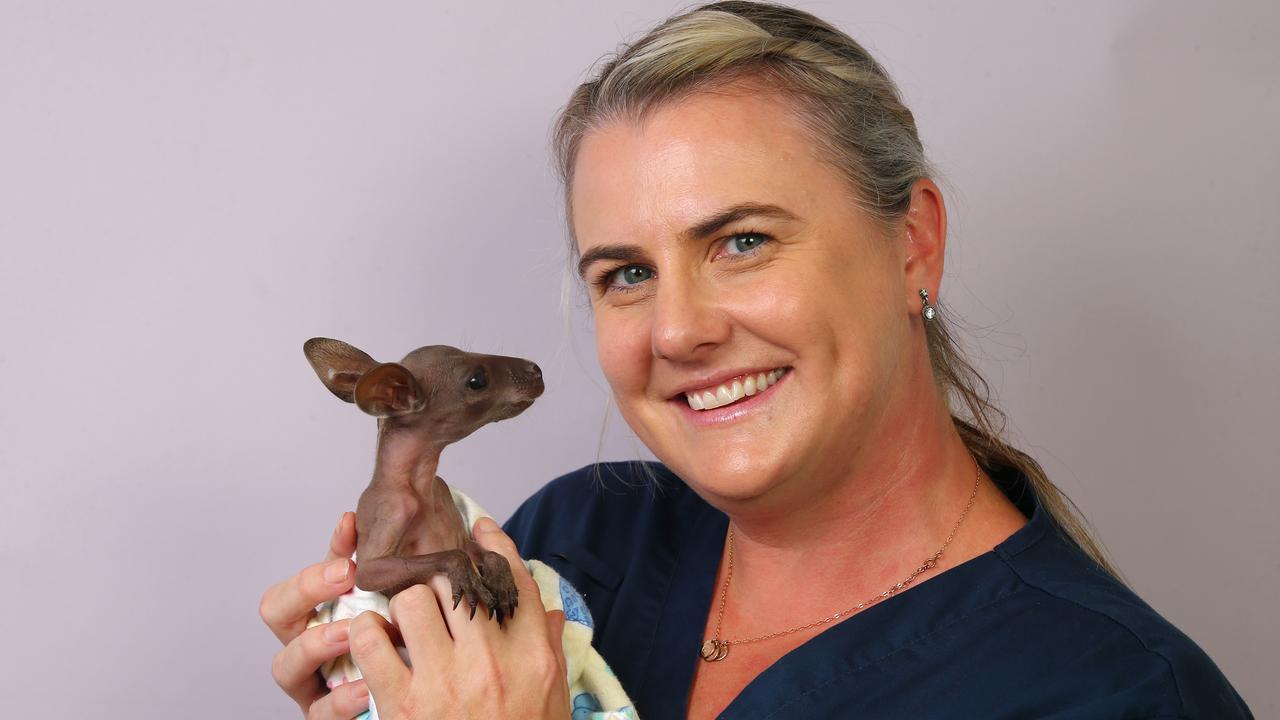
(188, 191)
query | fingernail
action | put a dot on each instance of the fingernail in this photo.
(336, 571)
(337, 631)
(486, 525)
(359, 691)
(338, 528)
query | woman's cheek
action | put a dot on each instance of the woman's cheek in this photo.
(622, 348)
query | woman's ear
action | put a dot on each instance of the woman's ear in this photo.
(924, 237)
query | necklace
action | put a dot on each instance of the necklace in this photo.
(715, 649)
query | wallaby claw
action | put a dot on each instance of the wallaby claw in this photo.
(467, 583)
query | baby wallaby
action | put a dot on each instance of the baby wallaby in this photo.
(407, 526)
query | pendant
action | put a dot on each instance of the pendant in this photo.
(713, 650)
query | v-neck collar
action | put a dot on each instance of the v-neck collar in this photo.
(843, 648)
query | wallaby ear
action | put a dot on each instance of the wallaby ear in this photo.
(389, 390)
(339, 365)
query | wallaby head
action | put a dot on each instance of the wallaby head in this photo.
(438, 391)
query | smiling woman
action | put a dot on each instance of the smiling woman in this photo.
(842, 530)
(754, 215)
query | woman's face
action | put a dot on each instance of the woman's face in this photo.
(718, 248)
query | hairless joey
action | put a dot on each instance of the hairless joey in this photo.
(407, 526)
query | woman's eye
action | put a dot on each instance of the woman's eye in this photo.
(630, 275)
(743, 243)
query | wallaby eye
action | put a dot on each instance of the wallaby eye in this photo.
(479, 380)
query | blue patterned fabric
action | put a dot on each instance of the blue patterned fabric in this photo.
(575, 609)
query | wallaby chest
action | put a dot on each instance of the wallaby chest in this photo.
(397, 519)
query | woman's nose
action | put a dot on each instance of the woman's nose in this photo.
(686, 322)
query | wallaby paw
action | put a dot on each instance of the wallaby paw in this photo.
(497, 578)
(468, 584)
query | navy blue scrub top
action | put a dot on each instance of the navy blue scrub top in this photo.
(1031, 629)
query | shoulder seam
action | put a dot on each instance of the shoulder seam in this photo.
(1182, 704)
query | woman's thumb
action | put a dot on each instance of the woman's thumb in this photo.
(555, 631)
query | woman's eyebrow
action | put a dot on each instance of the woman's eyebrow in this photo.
(733, 214)
(625, 253)
(702, 229)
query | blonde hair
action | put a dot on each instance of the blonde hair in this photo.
(855, 114)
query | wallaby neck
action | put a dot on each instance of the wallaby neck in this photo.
(406, 458)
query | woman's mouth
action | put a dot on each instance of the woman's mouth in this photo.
(733, 390)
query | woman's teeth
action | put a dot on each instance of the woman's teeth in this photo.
(733, 391)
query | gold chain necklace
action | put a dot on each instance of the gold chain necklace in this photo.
(715, 649)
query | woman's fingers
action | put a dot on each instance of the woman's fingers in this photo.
(294, 667)
(343, 542)
(416, 610)
(555, 631)
(343, 703)
(287, 606)
(375, 654)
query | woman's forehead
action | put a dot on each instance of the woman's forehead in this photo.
(686, 159)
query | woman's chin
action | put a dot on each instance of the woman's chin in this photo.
(732, 475)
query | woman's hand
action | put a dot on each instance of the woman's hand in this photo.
(464, 668)
(287, 606)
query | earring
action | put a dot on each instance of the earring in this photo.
(927, 311)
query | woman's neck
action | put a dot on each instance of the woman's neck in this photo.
(867, 520)
(893, 513)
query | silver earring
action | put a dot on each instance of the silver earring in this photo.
(927, 311)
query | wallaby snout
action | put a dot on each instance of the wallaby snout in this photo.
(528, 377)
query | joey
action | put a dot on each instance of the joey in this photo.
(407, 526)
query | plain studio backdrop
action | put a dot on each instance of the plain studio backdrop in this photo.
(188, 191)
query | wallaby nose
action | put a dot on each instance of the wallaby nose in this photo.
(532, 379)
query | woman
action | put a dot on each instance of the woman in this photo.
(753, 215)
